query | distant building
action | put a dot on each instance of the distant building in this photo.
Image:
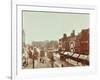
(23, 36)
(75, 43)
(23, 41)
(63, 41)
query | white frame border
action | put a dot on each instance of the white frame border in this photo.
(88, 70)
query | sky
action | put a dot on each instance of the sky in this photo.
(40, 26)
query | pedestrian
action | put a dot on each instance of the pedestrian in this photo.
(62, 65)
(42, 56)
(52, 61)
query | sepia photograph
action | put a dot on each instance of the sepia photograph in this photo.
(55, 39)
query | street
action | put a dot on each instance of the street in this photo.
(47, 63)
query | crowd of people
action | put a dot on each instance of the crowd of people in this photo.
(30, 55)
